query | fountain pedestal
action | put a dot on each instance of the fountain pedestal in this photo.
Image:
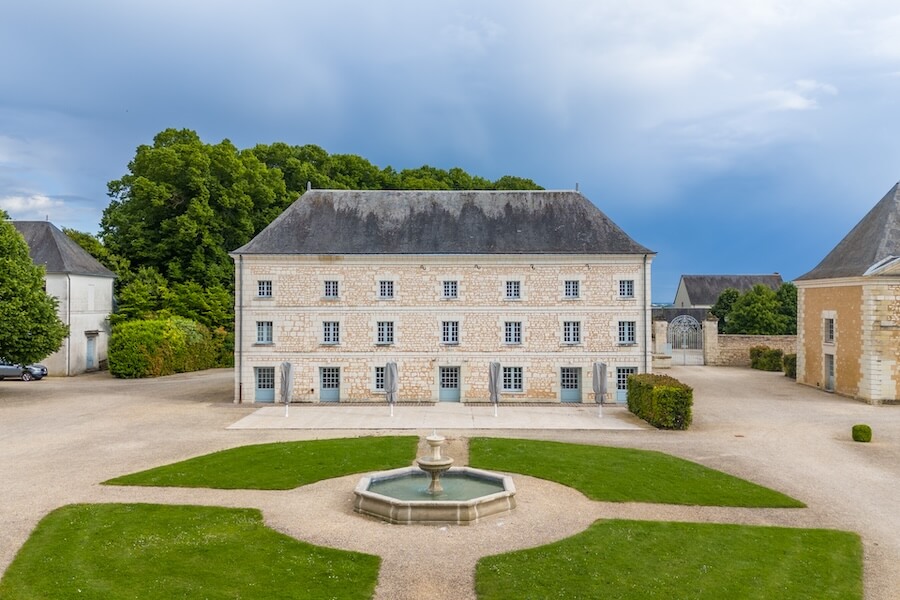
(435, 465)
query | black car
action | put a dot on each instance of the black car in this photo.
(26, 373)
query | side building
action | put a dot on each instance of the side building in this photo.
(848, 311)
(442, 284)
(84, 289)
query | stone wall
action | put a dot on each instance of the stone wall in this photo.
(734, 350)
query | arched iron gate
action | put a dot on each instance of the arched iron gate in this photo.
(685, 337)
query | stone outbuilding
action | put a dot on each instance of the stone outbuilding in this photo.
(848, 320)
(441, 283)
(84, 289)
(702, 291)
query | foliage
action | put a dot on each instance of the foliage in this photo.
(30, 329)
(723, 306)
(155, 347)
(662, 401)
(644, 560)
(623, 474)
(756, 312)
(93, 246)
(767, 359)
(280, 466)
(787, 307)
(790, 365)
(159, 552)
(861, 433)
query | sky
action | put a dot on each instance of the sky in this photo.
(740, 137)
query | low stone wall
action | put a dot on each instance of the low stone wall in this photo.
(734, 350)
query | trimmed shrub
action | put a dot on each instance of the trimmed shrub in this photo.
(662, 401)
(790, 366)
(766, 359)
(155, 347)
(862, 433)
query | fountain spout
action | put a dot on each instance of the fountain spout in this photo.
(435, 465)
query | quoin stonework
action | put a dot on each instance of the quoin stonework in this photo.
(442, 284)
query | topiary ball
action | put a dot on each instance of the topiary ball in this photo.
(862, 433)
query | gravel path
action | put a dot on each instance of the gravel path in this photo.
(60, 438)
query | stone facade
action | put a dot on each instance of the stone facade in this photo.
(297, 308)
(729, 350)
(85, 304)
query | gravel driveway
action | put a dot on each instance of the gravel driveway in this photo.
(60, 437)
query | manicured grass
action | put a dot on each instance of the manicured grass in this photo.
(280, 466)
(622, 474)
(644, 560)
(147, 551)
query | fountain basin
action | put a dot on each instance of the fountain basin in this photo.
(401, 496)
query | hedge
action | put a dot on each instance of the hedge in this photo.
(154, 347)
(662, 401)
(861, 433)
(765, 358)
(790, 366)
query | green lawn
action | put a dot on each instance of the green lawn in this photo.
(280, 466)
(623, 475)
(644, 560)
(149, 552)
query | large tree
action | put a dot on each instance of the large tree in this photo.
(723, 306)
(30, 329)
(756, 312)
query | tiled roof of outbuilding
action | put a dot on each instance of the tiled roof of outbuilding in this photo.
(442, 222)
(704, 290)
(57, 252)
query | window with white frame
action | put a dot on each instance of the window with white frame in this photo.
(512, 379)
(264, 332)
(627, 332)
(512, 332)
(622, 374)
(385, 289)
(829, 331)
(331, 289)
(331, 332)
(513, 290)
(450, 332)
(264, 288)
(573, 289)
(571, 332)
(451, 289)
(626, 288)
(385, 332)
(379, 378)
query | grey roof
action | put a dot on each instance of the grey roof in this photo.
(442, 222)
(57, 252)
(875, 237)
(704, 290)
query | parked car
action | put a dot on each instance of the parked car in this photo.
(26, 373)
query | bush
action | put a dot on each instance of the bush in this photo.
(662, 401)
(154, 347)
(862, 433)
(790, 366)
(766, 359)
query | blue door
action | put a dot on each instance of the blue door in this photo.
(265, 384)
(90, 358)
(622, 374)
(329, 384)
(449, 391)
(570, 384)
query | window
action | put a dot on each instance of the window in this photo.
(627, 332)
(512, 332)
(512, 379)
(331, 332)
(451, 289)
(331, 289)
(385, 290)
(264, 288)
(450, 332)
(265, 378)
(513, 290)
(572, 332)
(264, 332)
(622, 374)
(626, 288)
(385, 332)
(573, 289)
(379, 378)
(829, 331)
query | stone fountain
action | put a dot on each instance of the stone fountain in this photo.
(434, 491)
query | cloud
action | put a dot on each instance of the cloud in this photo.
(35, 207)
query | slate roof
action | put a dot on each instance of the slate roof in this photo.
(704, 290)
(875, 237)
(442, 222)
(52, 248)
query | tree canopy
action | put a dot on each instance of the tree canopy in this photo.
(759, 310)
(30, 329)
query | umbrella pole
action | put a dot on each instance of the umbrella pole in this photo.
(495, 409)
(392, 409)
(286, 408)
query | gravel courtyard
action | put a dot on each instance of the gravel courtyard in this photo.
(60, 437)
